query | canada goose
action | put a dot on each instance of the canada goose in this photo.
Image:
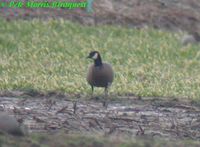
(10, 125)
(99, 74)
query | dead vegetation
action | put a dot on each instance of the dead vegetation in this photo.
(126, 118)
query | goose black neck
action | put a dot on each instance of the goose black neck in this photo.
(98, 61)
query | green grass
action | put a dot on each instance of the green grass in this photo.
(66, 140)
(51, 56)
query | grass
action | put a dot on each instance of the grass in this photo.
(66, 140)
(51, 56)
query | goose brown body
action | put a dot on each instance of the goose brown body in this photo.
(100, 76)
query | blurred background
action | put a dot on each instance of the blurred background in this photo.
(165, 14)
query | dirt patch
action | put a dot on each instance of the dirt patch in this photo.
(164, 14)
(149, 117)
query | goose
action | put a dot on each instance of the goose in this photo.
(100, 74)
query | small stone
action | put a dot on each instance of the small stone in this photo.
(9, 124)
(191, 38)
(188, 39)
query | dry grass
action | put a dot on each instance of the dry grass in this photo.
(60, 139)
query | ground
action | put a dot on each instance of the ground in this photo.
(126, 116)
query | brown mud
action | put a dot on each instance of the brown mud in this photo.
(125, 117)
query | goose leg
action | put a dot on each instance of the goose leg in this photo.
(106, 91)
(105, 103)
(92, 90)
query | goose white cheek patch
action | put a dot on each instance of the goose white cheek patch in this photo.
(95, 56)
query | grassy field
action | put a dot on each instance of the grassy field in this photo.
(51, 56)
(63, 140)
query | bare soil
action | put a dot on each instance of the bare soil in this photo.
(163, 14)
(125, 117)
